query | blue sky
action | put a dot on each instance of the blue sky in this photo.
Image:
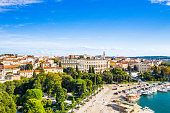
(63, 27)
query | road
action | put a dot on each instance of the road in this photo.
(99, 103)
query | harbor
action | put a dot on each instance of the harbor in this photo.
(129, 98)
(123, 98)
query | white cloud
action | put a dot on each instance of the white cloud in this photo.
(7, 5)
(18, 2)
(3, 10)
(164, 2)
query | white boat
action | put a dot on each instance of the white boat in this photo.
(133, 97)
(147, 110)
(148, 92)
(163, 90)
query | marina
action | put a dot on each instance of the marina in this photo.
(130, 98)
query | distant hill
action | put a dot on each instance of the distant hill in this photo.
(153, 57)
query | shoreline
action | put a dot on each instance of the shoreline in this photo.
(103, 101)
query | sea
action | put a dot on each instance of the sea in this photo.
(159, 102)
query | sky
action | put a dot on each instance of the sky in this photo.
(63, 27)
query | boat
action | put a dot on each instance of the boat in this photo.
(132, 97)
(147, 110)
(148, 92)
(163, 90)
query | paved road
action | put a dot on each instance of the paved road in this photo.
(99, 103)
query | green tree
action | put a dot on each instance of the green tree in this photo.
(75, 75)
(2, 87)
(60, 96)
(77, 69)
(107, 77)
(44, 102)
(67, 82)
(90, 70)
(48, 110)
(72, 104)
(68, 70)
(89, 83)
(34, 93)
(79, 87)
(93, 71)
(29, 67)
(34, 74)
(60, 64)
(10, 87)
(33, 106)
(7, 105)
(129, 69)
(135, 68)
(162, 73)
(37, 84)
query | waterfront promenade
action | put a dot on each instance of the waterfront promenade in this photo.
(103, 101)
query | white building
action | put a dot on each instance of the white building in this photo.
(84, 64)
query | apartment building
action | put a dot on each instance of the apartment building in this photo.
(84, 64)
(27, 73)
(144, 67)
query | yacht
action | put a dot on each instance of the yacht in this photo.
(132, 97)
(163, 90)
(148, 92)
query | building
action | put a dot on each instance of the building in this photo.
(144, 67)
(53, 69)
(27, 73)
(85, 64)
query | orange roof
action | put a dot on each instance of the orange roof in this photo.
(37, 70)
(26, 71)
(59, 67)
(22, 59)
(49, 67)
(11, 66)
(27, 62)
(12, 57)
(15, 68)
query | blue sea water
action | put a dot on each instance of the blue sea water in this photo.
(159, 102)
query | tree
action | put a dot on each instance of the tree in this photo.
(60, 64)
(155, 72)
(90, 70)
(37, 84)
(81, 57)
(34, 93)
(33, 106)
(44, 102)
(135, 68)
(48, 110)
(60, 96)
(107, 77)
(79, 87)
(68, 70)
(72, 104)
(2, 87)
(74, 74)
(55, 60)
(34, 74)
(89, 84)
(93, 71)
(7, 104)
(67, 82)
(10, 87)
(129, 69)
(29, 67)
(162, 73)
(77, 69)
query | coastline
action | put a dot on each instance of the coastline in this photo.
(103, 102)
